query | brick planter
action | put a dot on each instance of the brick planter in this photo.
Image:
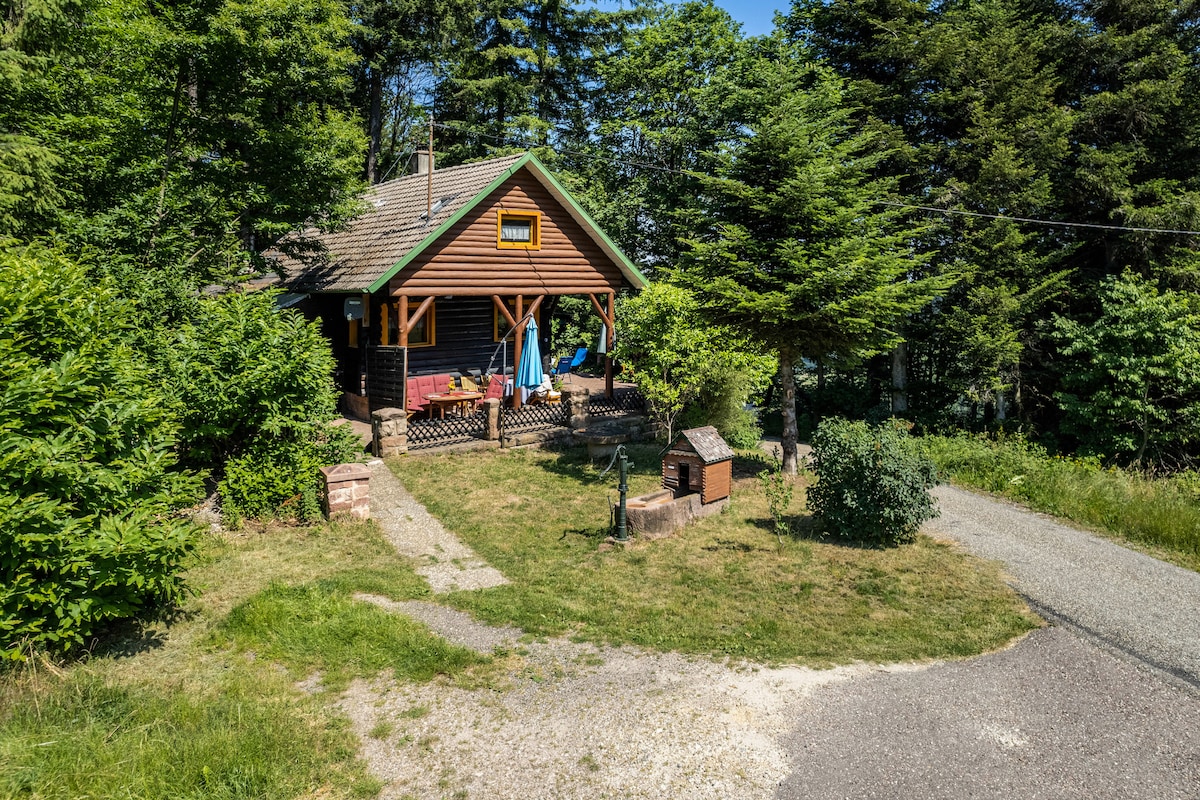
(347, 491)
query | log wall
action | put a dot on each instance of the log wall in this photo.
(467, 261)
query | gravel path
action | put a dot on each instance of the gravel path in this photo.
(1055, 716)
(565, 720)
(1136, 604)
(444, 561)
(571, 721)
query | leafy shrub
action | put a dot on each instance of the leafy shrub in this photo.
(873, 482)
(280, 478)
(1133, 390)
(778, 488)
(722, 403)
(684, 364)
(255, 387)
(87, 466)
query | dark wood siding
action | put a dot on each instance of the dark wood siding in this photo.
(466, 261)
(463, 338)
(718, 481)
(328, 310)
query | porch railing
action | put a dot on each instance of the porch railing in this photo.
(626, 400)
(424, 434)
(537, 417)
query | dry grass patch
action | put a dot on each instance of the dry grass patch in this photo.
(723, 586)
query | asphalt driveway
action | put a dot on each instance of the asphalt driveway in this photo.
(1104, 703)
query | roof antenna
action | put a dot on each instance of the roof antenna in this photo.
(429, 184)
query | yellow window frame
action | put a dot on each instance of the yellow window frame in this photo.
(535, 230)
(429, 319)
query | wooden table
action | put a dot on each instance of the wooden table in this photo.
(440, 401)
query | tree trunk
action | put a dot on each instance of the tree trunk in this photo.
(787, 372)
(900, 379)
(374, 123)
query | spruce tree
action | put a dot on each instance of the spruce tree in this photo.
(792, 245)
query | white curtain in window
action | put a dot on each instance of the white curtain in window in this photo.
(516, 230)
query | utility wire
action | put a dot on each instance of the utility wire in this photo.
(1032, 221)
(911, 207)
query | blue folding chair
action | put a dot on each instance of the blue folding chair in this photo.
(580, 355)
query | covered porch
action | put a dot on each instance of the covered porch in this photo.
(472, 335)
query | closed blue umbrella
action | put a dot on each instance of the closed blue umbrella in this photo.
(529, 371)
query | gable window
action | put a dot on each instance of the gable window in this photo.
(518, 230)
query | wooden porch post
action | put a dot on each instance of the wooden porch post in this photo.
(517, 347)
(402, 325)
(612, 339)
(405, 322)
(608, 317)
(402, 321)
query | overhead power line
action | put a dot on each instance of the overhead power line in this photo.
(1032, 221)
(930, 209)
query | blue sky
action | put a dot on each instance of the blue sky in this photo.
(756, 18)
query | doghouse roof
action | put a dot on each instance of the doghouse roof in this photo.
(707, 444)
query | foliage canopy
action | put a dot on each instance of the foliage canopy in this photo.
(87, 478)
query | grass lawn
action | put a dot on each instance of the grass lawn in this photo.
(207, 706)
(725, 586)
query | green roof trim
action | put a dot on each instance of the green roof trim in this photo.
(631, 273)
(445, 226)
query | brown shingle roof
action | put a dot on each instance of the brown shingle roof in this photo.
(392, 226)
(708, 444)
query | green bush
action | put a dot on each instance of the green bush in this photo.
(87, 466)
(280, 479)
(691, 371)
(873, 482)
(722, 403)
(256, 392)
(1131, 388)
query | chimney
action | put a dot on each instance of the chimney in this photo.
(418, 163)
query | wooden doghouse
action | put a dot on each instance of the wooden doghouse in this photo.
(699, 460)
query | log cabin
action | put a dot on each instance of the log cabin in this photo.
(442, 265)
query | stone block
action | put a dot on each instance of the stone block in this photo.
(346, 490)
(388, 426)
(660, 514)
(391, 445)
(339, 497)
(491, 408)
